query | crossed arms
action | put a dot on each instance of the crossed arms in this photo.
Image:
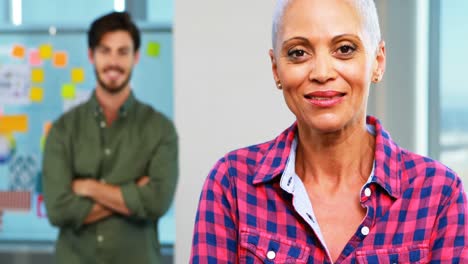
(107, 198)
(72, 202)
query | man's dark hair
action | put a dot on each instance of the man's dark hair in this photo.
(112, 22)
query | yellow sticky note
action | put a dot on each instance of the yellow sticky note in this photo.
(13, 123)
(18, 51)
(36, 94)
(60, 59)
(68, 91)
(45, 51)
(37, 75)
(153, 49)
(77, 75)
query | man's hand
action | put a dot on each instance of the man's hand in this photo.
(142, 181)
(83, 187)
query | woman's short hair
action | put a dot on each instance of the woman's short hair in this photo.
(366, 9)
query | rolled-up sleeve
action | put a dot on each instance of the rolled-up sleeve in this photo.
(153, 200)
(215, 233)
(64, 208)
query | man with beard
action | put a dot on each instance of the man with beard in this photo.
(110, 165)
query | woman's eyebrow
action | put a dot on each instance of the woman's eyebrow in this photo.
(341, 36)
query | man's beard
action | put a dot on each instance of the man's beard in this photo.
(113, 89)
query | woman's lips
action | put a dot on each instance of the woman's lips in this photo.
(325, 98)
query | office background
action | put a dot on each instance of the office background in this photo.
(224, 96)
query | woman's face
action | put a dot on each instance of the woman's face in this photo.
(324, 63)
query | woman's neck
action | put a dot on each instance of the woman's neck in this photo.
(335, 160)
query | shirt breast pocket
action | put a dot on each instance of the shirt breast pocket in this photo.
(414, 254)
(257, 247)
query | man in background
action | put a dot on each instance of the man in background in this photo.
(110, 165)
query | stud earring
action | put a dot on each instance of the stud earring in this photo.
(278, 84)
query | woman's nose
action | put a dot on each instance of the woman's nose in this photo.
(322, 69)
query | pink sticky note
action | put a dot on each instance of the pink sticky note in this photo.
(35, 58)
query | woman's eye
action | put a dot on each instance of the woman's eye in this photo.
(296, 53)
(346, 49)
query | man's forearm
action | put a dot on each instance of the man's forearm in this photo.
(111, 197)
(108, 197)
(97, 213)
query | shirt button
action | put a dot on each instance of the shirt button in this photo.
(103, 124)
(365, 230)
(100, 238)
(271, 255)
(367, 192)
(107, 151)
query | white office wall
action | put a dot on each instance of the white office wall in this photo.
(225, 96)
(400, 100)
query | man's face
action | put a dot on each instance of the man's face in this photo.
(113, 61)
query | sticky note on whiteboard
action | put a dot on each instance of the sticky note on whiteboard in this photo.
(60, 59)
(45, 51)
(68, 91)
(18, 51)
(77, 75)
(34, 58)
(153, 49)
(47, 127)
(37, 75)
(36, 94)
(13, 123)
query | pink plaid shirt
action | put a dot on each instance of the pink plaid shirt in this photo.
(416, 211)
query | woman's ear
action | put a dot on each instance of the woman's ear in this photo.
(379, 63)
(274, 67)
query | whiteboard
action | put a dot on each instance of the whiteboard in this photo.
(53, 89)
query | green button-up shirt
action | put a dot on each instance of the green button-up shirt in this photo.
(140, 142)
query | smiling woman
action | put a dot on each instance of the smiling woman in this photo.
(333, 187)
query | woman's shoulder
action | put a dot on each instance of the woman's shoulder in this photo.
(425, 166)
(429, 175)
(259, 158)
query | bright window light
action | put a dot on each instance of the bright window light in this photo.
(119, 5)
(16, 12)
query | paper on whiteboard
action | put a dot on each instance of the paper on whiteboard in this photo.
(14, 84)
